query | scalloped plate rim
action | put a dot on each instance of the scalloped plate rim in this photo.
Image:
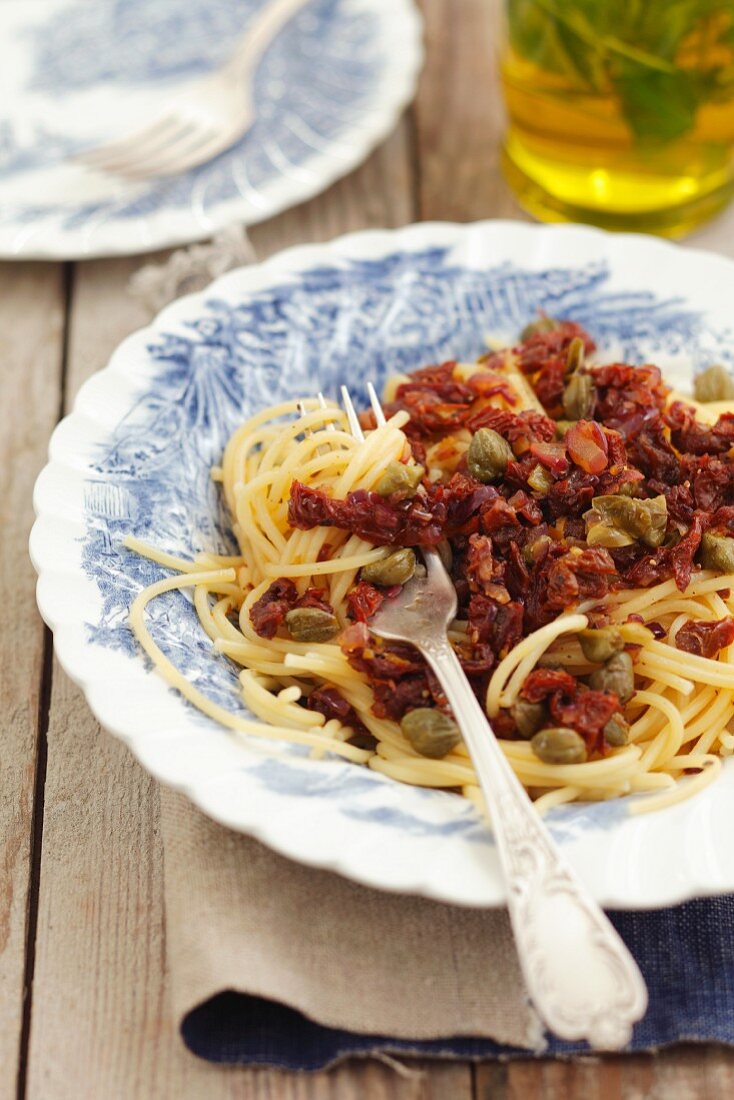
(294, 259)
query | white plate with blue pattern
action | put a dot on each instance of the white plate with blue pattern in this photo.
(75, 75)
(135, 456)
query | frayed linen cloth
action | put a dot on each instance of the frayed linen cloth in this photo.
(277, 964)
(241, 919)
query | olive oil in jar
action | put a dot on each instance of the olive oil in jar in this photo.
(621, 112)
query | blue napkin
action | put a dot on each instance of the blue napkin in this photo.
(686, 955)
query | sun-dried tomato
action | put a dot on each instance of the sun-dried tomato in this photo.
(477, 660)
(484, 573)
(269, 612)
(651, 452)
(693, 438)
(587, 445)
(712, 481)
(670, 561)
(363, 601)
(397, 673)
(542, 682)
(537, 349)
(578, 575)
(552, 456)
(572, 496)
(588, 712)
(526, 508)
(705, 639)
(628, 398)
(500, 625)
(438, 380)
(315, 597)
(511, 426)
(416, 522)
(550, 384)
(679, 500)
(464, 498)
(722, 521)
(328, 701)
(488, 383)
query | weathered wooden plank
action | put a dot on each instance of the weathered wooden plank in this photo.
(679, 1073)
(459, 116)
(31, 331)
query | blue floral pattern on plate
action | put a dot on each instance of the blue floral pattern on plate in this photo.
(331, 83)
(347, 322)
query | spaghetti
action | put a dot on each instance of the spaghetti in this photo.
(588, 522)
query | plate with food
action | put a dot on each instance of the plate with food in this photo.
(133, 125)
(212, 541)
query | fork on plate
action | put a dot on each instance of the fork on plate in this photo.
(203, 120)
(581, 977)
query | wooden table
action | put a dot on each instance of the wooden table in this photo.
(84, 1005)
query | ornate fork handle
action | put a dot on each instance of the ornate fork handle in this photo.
(580, 975)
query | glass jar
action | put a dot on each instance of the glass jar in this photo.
(621, 112)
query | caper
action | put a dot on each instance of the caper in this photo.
(400, 477)
(532, 550)
(488, 455)
(600, 644)
(617, 731)
(717, 552)
(529, 717)
(559, 745)
(562, 427)
(578, 396)
(615, 675)
(311, 624)
(575, 356)
(430, 731)
(599, 534)
(713, 384)
(542, 324)
(624, 518)
(540, 480)
(396, 568)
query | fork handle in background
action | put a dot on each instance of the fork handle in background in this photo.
(581, 977)
(260, 33)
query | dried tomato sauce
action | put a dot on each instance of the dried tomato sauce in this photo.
(520, 547)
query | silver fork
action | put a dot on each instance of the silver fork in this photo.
(205, 119)
(581, 978)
